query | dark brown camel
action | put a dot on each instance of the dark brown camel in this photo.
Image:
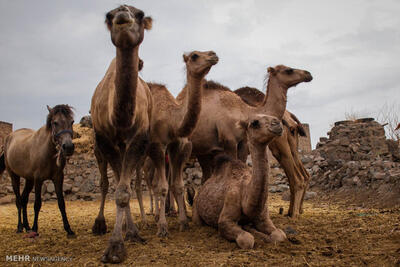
(38, 156)
(121, 110)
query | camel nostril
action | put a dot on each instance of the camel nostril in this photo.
(122, 18)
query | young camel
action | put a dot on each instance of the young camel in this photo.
(121, 109)
(284, 149)
(234, 196)
(171, 123)
(38, 156)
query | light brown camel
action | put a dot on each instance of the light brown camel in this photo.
(121, 111)
(284, 149)
(236, 196)
(38, 156)
(172, 122)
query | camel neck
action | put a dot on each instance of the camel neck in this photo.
(274, 103)
(126, 79)
(256, 189)
(192, 106)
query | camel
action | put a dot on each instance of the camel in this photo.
(172, 122)
(38, 156)
(284, 149)
(121, 110)
(235, 197)
(215, 132)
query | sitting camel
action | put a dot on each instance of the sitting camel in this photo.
(38, 156)
(235, 196)
(284, 149)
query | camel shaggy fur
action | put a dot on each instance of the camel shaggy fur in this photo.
(234, 196)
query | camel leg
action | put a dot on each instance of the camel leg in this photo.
(38, 204)
(99, 226)
(15, 179)
(196, 219)
(138, 189)
(179, 154)
(58, 184)
(264, 224)
(149, 176)
(25, 198)
(206, 164)
(227, 222)
(132, 232)
(282, 153)
(157, 154)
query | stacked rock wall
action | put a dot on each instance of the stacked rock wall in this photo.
(5, 129)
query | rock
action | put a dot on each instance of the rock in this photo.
(46, 197)
(50, 188)
(286, 196)
(87, 186)
(310, 195)
(7, 199)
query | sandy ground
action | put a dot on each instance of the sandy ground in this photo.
(326, 235)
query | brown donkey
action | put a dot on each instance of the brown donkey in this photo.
(38, 156)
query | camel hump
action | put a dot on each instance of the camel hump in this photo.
(250, 95)
(212, 85)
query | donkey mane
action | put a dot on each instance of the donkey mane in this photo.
(66, 110)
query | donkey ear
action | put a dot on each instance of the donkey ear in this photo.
(48, 108)
(148, 23)
(271, 70)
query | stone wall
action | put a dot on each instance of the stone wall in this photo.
(305, 141)
(5, 129)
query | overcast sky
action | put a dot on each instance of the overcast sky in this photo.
(56, 52)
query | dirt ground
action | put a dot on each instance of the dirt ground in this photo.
(327, 234)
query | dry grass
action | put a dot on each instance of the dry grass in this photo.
(83, 139)
(327, 235)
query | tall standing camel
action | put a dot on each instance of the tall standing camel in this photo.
(121, 111)
(38, 156)
(235, 197)
(284, 149)
(172, 122)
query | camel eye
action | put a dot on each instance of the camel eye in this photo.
(255, 124)
(139, 15)
(289, 71)
(194, 57)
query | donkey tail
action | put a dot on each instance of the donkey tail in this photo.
(2, 163)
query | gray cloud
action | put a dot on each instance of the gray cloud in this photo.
(57, 51)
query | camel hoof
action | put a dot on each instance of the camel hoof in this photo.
(99, 227)
(245, 240)
(184, 225)
(278, 235)
(114, 253)
(162, 230)
(19, 230)
(134, 237)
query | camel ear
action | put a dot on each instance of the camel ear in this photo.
(255, 124)
(48, 108)
(148, 23)
(140, 64)
(241, 125)
(271, 70)
(185, 58)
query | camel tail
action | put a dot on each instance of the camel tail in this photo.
(2, 163)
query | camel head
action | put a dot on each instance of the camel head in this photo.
(289, 77)
(127, 25)
(199, 63)
(59, 121)
(261, 129)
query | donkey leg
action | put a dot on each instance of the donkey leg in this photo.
(99, 226)
(25, 198)
(38, 204)
(58, 184)
(15, 179)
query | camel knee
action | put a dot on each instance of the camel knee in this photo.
(122, 195)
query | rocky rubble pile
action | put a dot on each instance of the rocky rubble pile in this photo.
(356, 155)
